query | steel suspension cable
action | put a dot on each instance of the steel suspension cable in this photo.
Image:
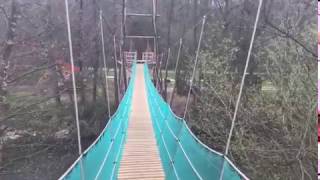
(159, 74)
(161, 131)
(116, 66)
(241, 86)
(194, 67)
(115, 54)
(168, 58)
(104, 64)
(166, 75)
(175, 137)
(122, 42)
(74, 87)
(175, 72)
(154, 23)
(121, 81)
(155, 42)
(179, 143)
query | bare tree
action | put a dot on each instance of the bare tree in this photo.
(5, 61)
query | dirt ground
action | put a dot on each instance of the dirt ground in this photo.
(39, 160)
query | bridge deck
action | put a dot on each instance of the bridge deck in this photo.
(140, 158)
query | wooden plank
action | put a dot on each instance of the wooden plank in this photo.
(140, 159)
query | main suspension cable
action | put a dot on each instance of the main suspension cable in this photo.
(116, 66)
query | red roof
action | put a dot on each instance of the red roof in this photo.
(69, 66)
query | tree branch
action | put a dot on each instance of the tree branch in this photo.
(18, 111)
(290, 36)
(4, 12)
(30, 72)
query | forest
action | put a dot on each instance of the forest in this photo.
(275, 130)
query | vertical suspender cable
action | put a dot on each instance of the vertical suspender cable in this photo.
(123, 23)
(116, 65)
(155, 41)
(166, 75)
(175, 71)
(154, 25)
(159, 74)
(104, 64)
(241, 87)
(74, 87)
(168, 57)
(194, 67)
(121, 82)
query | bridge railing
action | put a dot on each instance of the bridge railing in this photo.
(130, 56)
(183, 155)
(148, 57)
(101, 158)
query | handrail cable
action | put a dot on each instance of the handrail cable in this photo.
(165, 144)
(177, 140)
(201, 143)
(100, 135)
(117, 157)
(110, 147)
(112, 142)
(122, 139)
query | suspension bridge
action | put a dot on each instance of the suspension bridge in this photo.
(144, 139)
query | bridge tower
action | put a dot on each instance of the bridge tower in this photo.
(147, 56)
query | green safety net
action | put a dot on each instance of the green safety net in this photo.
(101, 159)
(183, 155)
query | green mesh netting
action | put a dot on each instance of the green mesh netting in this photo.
(183, 155)
(101, 159)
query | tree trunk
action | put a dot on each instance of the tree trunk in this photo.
(120, 82)
(49, 56)
(96, 54)
(165, 92)
(160, 75)
(79, 54)
(5, 61)
(195, 15)
(121, 72)
(123, 45)
(115, 67)
(170, 16)
(1, 149)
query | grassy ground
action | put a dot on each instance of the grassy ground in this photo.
(37, 154)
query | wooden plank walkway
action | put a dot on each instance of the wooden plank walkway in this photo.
(140, 159)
